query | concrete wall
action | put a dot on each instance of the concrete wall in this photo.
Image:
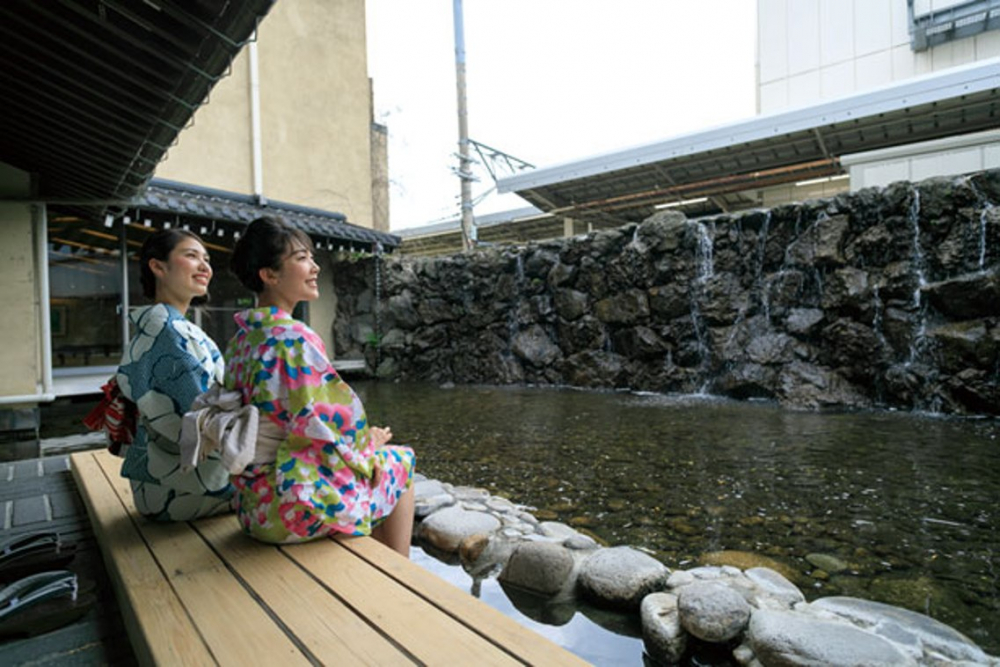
(315, 114)
(20, 327)
(942, 157)
(813, 50)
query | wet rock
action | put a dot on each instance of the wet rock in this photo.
(669, 302)
(921, 634)
(774, 586)
(803, 320)
(534, 346)
(831, 564)
(430, 496)
(446, 528)
(629, 307)
(621, 576)
(746, 560)
(784, 638)
(821, 244)
(966, 297)
(811, 386)
(539, 567)
(482, 554)
(570, 304)
(663, 637)
(712, 611)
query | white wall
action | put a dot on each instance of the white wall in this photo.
(813, 50)
(942, 157)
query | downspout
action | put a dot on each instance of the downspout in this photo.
(40, 224)
(258, 160)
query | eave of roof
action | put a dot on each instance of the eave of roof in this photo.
(767, 150)
(183, 199)
(94, 93)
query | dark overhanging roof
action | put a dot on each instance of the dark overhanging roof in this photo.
(93, 92)
(768, 150)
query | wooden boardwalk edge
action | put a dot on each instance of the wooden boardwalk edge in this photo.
(203, 593)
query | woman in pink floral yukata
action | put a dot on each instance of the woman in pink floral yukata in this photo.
(320, 468)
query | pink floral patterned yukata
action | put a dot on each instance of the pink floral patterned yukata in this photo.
(321, 480)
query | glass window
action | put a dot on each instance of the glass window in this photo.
(85, 286)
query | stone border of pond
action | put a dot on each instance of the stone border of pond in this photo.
(757, 613)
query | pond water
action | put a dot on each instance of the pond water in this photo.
(897, 507)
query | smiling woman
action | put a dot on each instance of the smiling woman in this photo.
(319, 467)
(168, 362)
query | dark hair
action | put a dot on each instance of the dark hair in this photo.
(264, 245)
(159, 246)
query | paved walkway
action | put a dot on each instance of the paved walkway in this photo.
(40, 495)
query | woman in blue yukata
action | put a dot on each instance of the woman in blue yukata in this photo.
(169, 361)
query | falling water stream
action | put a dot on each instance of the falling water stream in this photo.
(905, 502)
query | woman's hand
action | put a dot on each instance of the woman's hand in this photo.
(380, 435)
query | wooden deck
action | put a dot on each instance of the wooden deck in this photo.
(203, 593)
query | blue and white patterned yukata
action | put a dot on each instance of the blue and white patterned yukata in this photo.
(168, 362)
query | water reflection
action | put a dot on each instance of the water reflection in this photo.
(902, 506)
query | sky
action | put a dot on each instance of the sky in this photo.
(548, 82)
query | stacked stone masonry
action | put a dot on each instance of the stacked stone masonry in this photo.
(886, 297)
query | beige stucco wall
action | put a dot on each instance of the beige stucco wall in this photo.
(20, 355)
(315, 114)
(215, 150)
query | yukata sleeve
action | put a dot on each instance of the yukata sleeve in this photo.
(318, 412)
(165, 379)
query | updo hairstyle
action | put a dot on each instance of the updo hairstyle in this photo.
(264, 245)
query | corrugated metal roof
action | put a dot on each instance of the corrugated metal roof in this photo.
(768, 150)
(93, 92)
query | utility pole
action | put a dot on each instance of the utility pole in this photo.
(464, 163)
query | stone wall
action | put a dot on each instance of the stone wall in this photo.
(887, 297)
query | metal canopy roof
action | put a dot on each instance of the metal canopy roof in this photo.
(93, 92)
(768, 150)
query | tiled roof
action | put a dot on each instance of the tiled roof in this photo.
(183, 199)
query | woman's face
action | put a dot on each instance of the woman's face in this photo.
(185, 274)
(297, 277)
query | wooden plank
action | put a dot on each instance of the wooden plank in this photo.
(433, 637)
(318, 619)
(158, 626)
(526, 644)
(236, 629)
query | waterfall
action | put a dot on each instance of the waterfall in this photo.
(982, 236)
(918, 263)
(759, 282)
(987, 206)
(704, 270)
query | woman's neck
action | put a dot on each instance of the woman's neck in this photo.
(267, 300)
(181, 305)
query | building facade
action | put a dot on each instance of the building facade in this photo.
(821, 65)
(287, 129)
